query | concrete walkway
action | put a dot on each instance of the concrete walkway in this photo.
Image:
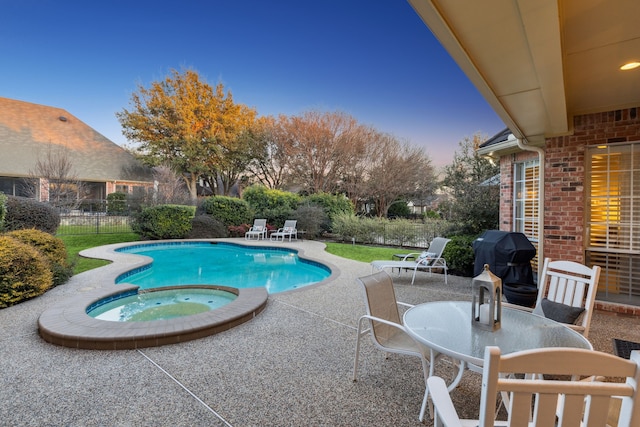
(290, 366)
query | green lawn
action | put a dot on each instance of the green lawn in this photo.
(363, 253)
(76, 243)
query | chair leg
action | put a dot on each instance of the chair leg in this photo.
(355, 361)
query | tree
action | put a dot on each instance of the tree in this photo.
(474, 200)
(55, 167)
(398, 170)
(323, 145)
(271, 166)
(185, 123)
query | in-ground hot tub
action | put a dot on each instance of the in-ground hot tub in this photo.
(69, 325)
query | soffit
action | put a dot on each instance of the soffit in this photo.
(541, 62)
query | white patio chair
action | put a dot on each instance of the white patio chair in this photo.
(425, 261)
(288, 230)
(383, 323)
(258, 229)
(558, 400)
(566, 293)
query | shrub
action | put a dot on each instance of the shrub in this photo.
(28, 213)
(401, 232)
(459, 255)
(163, 222)
(262, 200)
(333, 205)
(363, 230)
(312, 219)
(228, 210)
(206, 227)
(399, 209)
(116, 203)
(3, 209)
(51, 248)
(24, 273)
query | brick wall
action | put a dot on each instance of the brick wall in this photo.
(564, 178)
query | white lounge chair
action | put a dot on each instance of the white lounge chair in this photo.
(566, 294)
(258, 229)
(288, 230)
(548, 377)
(427, 260)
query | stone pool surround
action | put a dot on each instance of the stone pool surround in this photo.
(68, 324)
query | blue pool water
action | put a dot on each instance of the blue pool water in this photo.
(226, 264)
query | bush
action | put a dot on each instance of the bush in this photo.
(333, 205)
(3, 209)
(262, 199)
(28, 213)
(116, 203)
(163, 222)
(401, 232)
(459, 255)
(228, 210)
(51, 248)
(206, 227)
(399, 209)
(363, 230)
(24, 273)
(311, 219)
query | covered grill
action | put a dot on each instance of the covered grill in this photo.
(508, 254)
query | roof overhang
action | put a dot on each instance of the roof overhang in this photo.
(539, 63)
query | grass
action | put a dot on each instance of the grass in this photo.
(77, 243)
(363, 253)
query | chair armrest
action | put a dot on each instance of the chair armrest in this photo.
(517, 307)
(442, 404)
(411, 255)
(404, 304)
(386, 322)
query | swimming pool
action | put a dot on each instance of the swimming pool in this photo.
(220, 263)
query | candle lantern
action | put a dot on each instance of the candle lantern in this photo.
(486, 310)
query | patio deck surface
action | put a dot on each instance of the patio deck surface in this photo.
(290, 366)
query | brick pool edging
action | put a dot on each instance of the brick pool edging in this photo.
(69, 325)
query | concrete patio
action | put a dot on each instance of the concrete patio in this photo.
(290, 366)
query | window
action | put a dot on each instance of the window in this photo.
(525, 206)
(613, 219)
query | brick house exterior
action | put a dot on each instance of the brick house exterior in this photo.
(565, 181)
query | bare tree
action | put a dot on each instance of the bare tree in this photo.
(397, 170)
(272, 165)
(55, 168)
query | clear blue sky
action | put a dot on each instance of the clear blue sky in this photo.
(373, 59)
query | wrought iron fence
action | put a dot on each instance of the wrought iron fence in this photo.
(96, 217)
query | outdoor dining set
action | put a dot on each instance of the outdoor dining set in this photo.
(536, 362)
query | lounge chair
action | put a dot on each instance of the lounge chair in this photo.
(566, 294)
(258, 229)
(427, 260)
(288, 230)
(546, 377)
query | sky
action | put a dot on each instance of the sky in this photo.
(374, 60)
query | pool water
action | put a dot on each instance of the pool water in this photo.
(159, 305)
(225, 264)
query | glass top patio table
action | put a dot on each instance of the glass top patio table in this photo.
(445, 326)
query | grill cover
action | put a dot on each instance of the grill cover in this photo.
(508, 254)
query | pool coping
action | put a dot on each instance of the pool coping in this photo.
(69, 325)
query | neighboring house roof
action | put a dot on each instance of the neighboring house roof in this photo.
(539, 64)
(28, 131)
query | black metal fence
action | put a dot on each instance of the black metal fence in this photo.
(95, 217)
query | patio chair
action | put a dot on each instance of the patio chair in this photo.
(258, 229)
(566, 294)
(382, 322)
(427, 260)
(288, 230)
(559, 400)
